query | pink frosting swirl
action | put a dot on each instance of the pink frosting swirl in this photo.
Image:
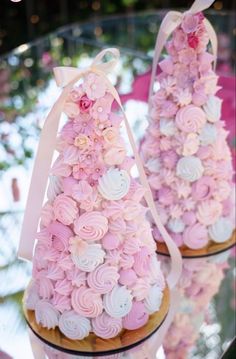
(87, 303)
(106, 327)
(91, 226)
(208, 212)
(190, 119)
(65, 209)
(136, 318)
(195, 236)
(103, 279)
(63, 287)
(203, 188)
(60, 231)
(61, 302)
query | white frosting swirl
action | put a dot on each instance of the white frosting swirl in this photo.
(167, 127)
(213, 108)
(153, 165)
(208, 134)
(54, 187)
(114, 184)
(221, 230)
(154, 299)
(74, 326)
(190, 168)
(176, 225)
(46, 315)
(90, 259)
(118, 303)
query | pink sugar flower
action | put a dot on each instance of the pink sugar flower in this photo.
(97, 141)
(193, 41)
(190, 23)
(99, 170)
(84, 125)
(102, 108)
(85, 104)
(81, 171)
(94, 86)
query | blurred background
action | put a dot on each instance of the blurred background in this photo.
(24, 20)
(35, 36)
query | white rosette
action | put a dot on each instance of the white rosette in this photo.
(208, 134)
(74, 326)
(46, 315)
(54, 187)
(90, 259)
(189, 168)
(221, 231)
(153, 301)
(213, 108)
(167, 127)
(114, 184)
(118, 303)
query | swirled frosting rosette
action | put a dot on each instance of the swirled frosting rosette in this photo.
(114, 184)
(185, 150)
(74, 326)
(95, 258)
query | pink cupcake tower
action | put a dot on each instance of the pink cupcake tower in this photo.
(186, 155)
(95, 268)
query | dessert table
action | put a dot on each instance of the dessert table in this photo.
(204, 324)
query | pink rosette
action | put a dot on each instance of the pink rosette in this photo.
(142, 262)
(203, 188)
(60, 231)
(63, 287)
(91, 226)
(136, 318)
(208, 212)
(85, 103)
(61, 302)
(190, 119)
(195, 236)
(65, 209)
(86, 302)
(106, 327)
(103, 279)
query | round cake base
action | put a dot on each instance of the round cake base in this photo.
(211, 249)
(93, 346)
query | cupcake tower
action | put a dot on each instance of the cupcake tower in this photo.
(95, 268)
(186, 155)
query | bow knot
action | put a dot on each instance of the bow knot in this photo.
(64, 75)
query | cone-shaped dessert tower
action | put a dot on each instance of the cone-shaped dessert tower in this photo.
(95, 268)
(186, 155)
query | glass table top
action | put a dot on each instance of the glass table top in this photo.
(27, 90)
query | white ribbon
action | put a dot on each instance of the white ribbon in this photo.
(170, 22)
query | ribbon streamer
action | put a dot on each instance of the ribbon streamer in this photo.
(66, 77)
(170, 22)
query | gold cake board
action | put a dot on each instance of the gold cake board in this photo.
(93, 346)
(211, 249)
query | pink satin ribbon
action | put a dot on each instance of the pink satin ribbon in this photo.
(66, 77)
(170, 22)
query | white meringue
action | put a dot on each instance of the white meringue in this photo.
(54, 187)
(118, 303)
(114, 184)
(46, 315)
(90, 259)
(189, 168)
(213, 108)
(74, 326)
(208, 134)
(154, 299)
(153, 165)
(221, 230)
(167, 127)
(176, 225)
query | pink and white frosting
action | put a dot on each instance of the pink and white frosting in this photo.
(86, 302)
(118, 303)
(74, 326)
(91, 226)
(65, 209)
(103, 279)
(46, 315)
